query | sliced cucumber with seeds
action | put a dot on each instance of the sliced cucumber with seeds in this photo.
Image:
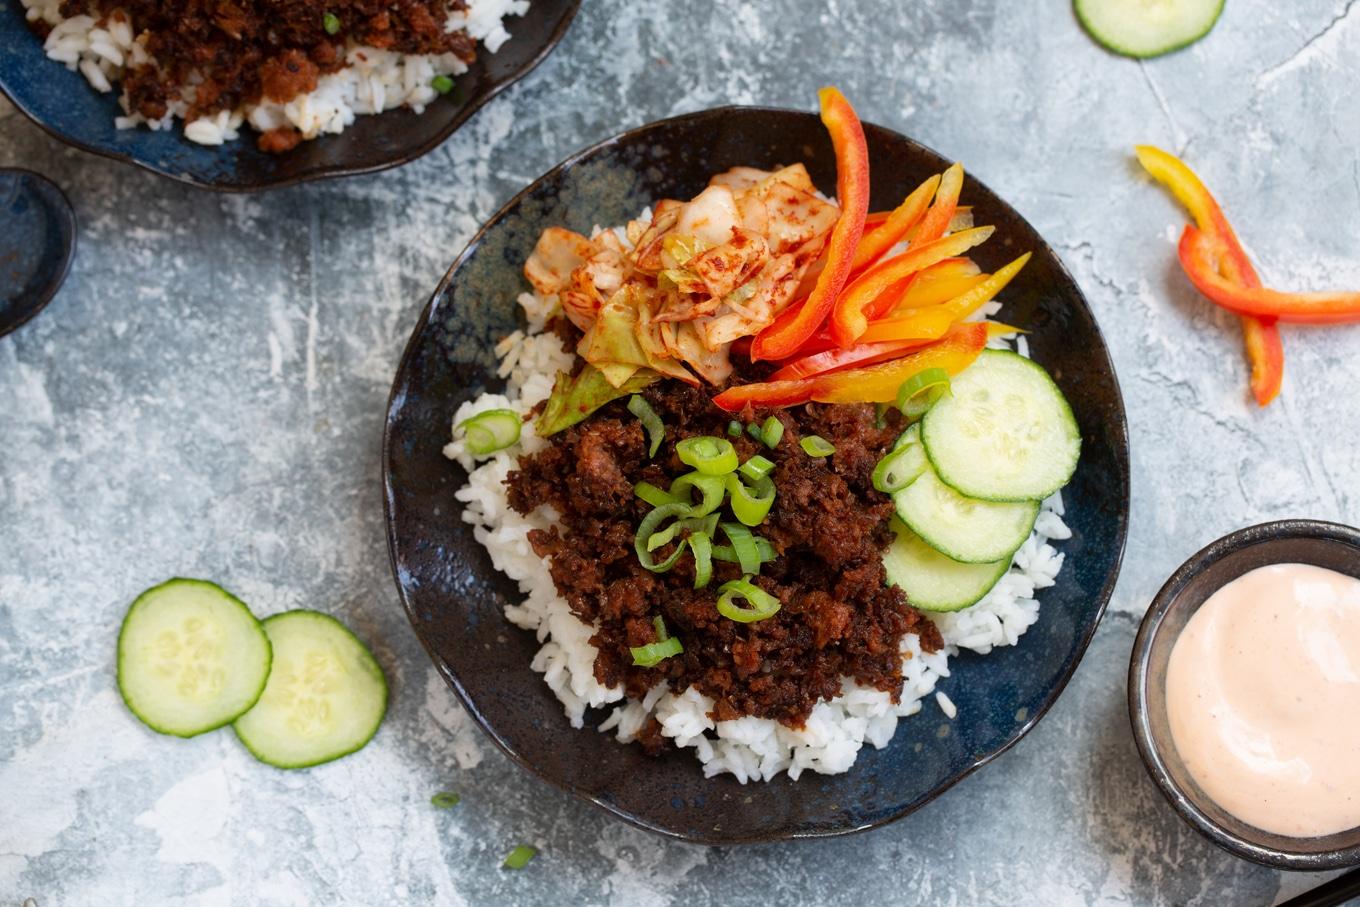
(1147, 28)
(325, 698)
(191, 657)
(1006, 433)
(933, 582)
(965, 529)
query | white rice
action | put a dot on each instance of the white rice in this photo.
(751, 749)
(372, 81)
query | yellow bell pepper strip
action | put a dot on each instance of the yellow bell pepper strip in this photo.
(1199, 257)
(872, 384)
(934, 321)
(890, 232)
(1265, 351)
(929, 287)
(782, 338)
(851, 319)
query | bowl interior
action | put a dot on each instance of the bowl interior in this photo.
(62, 102)
(1303, 542)
(455, 599)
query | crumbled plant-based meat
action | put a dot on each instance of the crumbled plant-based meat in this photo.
(829, 526)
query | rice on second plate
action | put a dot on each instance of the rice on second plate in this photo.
(749, 748)
(370, 80)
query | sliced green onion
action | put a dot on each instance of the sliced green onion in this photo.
(734, 429)
(771, 432)
(708, 525)
(880, 415)
(728, 554)
(757, 468)
(660, 626)
(650, 421)
(711, 456)
(710, 487)
(701, 543)
(754, 431)
(921, 391)
(442, 84)
(817, 446)
(760, 604)
(652, 654)
(653, 495)
(650, 523)
(445, 799)
(750, 503)
(894, 472)
(743, 546)
(519, 857)
(493, 430)
(331, 23)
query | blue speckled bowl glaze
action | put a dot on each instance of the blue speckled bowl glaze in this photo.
(64, 104)
(455, 599)
(37, 244)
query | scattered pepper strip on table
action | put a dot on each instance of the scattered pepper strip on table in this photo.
(1265, 352)
(782, 338)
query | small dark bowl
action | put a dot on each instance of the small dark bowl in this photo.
(455, 599)
(1327, 545)
(64, 104)
(37, 244)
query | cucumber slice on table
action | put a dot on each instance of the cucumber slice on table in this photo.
(965, 529)
(1005, 433)
(1147, 28)
(191, 657)
(325, 698)
(932, 581)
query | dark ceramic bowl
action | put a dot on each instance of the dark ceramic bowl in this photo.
(1287, 541)
(37, 244)
(455, 599)
(64, 104)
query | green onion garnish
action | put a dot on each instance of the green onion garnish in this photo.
(771, 432)
(493, 430)
(754, 431)
(331, 23)
(921, 391)
(743, 546)
(711, 456)
(728, 554)
(734, 429)
(756, 468)
(817, 446)
(893, 472)
(445, 799)
(701, 543)
(442, 84)
(750, 503)
(650, 523)
(652, 654)
(660, 626)
(650, 421)
(519, 857)
(880, 415)
(761, 604)
(653, 495)
(710, 487)
(708, 524)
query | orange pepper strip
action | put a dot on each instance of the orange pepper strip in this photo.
(929, 287)
(936, 222)
(890, 233)
(872, 384)
(780, 340)
(932, 322)
(1265, 351)
(1197, 253)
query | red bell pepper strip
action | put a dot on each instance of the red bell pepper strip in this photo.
(890, 233)
(871, 384)
(782, 338)
(851, 319)
(831, 359)
(1265, 351)
(1198, 254)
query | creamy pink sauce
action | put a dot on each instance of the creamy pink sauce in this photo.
(1263, 697)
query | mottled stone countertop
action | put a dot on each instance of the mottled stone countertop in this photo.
(205, 397)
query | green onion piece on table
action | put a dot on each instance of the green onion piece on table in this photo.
(761, 605)
(734, 429)
(750, 503)
(743, 546)
(493, 430)
(445, 799)
(757, 468)
(519, 857)
(331, 23)
(653, 495)
(817, 446)
(442, 84)
(710, 487)
(894, 472)
(921, 391)
(656, 432)
(771, 432)
(701, 544)
(711, 456)
(649, 525)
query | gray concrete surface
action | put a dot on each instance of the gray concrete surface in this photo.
(205, 397)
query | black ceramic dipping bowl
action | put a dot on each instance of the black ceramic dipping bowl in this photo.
(64, 104)
(456, 600)
(1327, 545)
(37, 244)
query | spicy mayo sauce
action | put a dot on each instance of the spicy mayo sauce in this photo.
(1263, 698)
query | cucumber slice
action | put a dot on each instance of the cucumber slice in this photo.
(1006, 432)
(965, 529)
(326, 695)
(1147, 28)
(191, 657)
(932, 581)
(914, 461)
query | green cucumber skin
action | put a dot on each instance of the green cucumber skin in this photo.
(1080, 9)
(121, 655)
(922, 528)
(381, 677)
(942, 607)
